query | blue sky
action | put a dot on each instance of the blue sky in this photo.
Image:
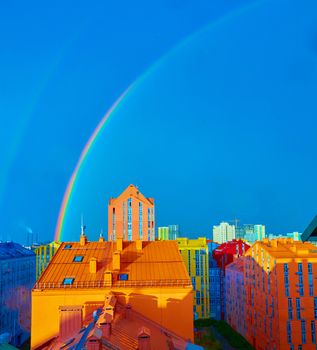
(221, 125)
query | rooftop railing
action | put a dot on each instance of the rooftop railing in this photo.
(114, 284)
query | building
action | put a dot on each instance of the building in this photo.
(214, 283)
(195, 255)
(294, 235)
(131, 216)
(170, 232)
(224, 255)
(223, 233)
(17, 269)
(280, 295)
(44, 254)
(149, 278)
(235, 296)
(251, 233)
(163, 233)
(119, 327)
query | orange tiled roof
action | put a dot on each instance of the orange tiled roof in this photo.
(159, 263)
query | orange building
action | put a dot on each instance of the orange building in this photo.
(148, 278)
(281, 295)
(131, 216)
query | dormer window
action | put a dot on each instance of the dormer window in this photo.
(78, 258)
(68, 281)
(123, 277)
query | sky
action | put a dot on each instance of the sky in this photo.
(220, 122)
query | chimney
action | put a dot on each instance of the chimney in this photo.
(101, 238)
(83, 239)
(94, 339)
(138, 245)
(116, 261)
(119, 244)
(107, 278)
(144, 340)
(92, 265)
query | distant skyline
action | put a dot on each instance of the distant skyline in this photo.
(220, 122)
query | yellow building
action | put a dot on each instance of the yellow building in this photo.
(44, 254)
(195, 255)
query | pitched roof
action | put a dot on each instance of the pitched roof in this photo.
(158, 263)
(131, 191)
(11, 250)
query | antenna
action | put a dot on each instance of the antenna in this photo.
(82, 226)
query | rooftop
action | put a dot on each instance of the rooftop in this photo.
(155, 263)
(11, 250)
(286, 248)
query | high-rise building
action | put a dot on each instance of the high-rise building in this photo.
(223, 233)
(131, 216)
(252, 233)
(195, 255)
(170, 232)
(147, 278)
(280, 295)
(173, 231)
(163, 233)
(17, 277)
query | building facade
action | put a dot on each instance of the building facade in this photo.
(131, 216)
(149, 278)
(214, 283)
(170, 232)
(44, 254)
(17, 269)
(235, 296)
(195, 256)
(224, 255)
(280, 295)
(223, 233)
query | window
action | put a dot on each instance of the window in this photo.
(300, 267)
(289, 332)
(78, 258)
(123, 277)
(68, 246)
(315, 308)
(68, 281)
(197, 297)
(286, 281)
(303, 326)
(298, 308)
(290, 309)
(313, 332)
(140, 220)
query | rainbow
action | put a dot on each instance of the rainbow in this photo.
(80, 162)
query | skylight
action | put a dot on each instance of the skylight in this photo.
(78, 258)
(68, 281)
(67, 246)
(123, 276)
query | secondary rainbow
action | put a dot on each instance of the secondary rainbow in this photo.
(80, 162)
